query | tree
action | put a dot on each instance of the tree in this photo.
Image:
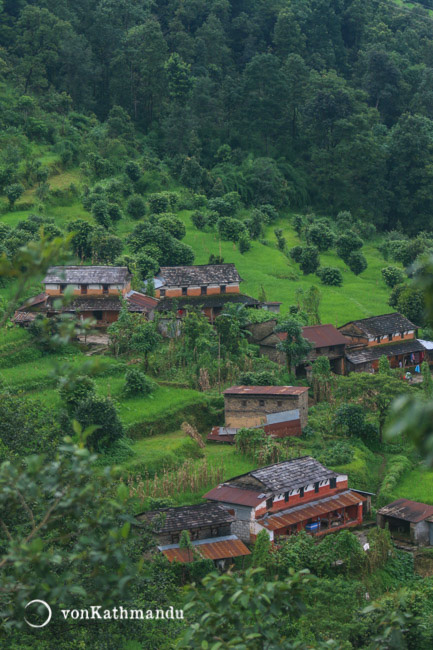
(296, 253)
(172, 224)
(136, 208)
(81, 238)
(244, 243)
(310, 260)
(384, 367)
(281, 240)
(322, 379)
(320, 236)
(357, 262)
(427, 381)
(392, 276)
(13, 193)
(131, 333)
(136, 383)
(348, 243)
(133, 170)
(99, 413)
(146, 266)
(330, 276)
(75, 390)
(294, 346)
(262, 550)
(100, 212)
(230, 229)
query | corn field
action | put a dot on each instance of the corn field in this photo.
(189, 477)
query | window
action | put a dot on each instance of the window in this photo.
(377, 339)
(389, 337)
(175, 538)
(97, 315)
(184, 291)
(214, 531)
(286, 497)
(63, 287)
(269, 503)
(261, 402)
(244, 402)
(223, 288)
(162, 293)
(333, 483)
(105, 288)
(203, 291)
(194, 534)
(316, 487)
(84, 289)
(402, 335)
(279, 403)
(331, 348)
(301, 492)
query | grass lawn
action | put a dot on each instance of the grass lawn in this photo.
(416, 485)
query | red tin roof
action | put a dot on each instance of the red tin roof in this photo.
(219, 549)
(238, 496)
(275, 429)
(407, 510)
(321, 336)
(140, 300)
(265, 390)
(309, 510)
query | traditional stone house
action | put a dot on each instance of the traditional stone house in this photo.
(209, 287)
(96, 294)
(250, 406)
(391, 335)
(408, 520)
(209, 526)
(299, 494)
(326, 340)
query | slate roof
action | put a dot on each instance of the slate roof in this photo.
(286, 476)
(87, 275)
(203, 274)
(86, 303)
(214, 548)
(407, 510)
(365, 355)
(168, 520)
(322, 336)
(277, 391)
(217, 300)
(382, 325)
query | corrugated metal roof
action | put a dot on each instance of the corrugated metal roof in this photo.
(282, 416)
(23, 317)
(140, 302)
(323, 336)
(237, 496)
(367, 354)
(407, 510)
(87, 275)
(265, 390)
(277, 429)
(216, 548)
(427, 344)
(309, 510)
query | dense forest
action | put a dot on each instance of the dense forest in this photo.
(323, 103)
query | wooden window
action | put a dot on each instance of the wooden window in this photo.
(105, 288)
(175, 538)
(203, 291)
(333, 483)
(389, 337)
(301, 492)
(83, 289)
(261, 402)
(402, 335)
(214, 531)
(97, 315)
(279, 403)
(223, 288)
(286, 497)
(184, 291)
(194, 534)
(377, 339)
(316, 487)
(162, 293)
(62, 288)
(269, 503)
(244, 402)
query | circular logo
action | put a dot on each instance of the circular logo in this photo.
(42, 602)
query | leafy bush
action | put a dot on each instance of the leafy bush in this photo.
(244, 243)
(263, 378)
(338, 453)
(173, 225)
(357, 262)
(310, 260)
(199, 220)
(231, 229)
(320, 235)
(99, 412)
(348, 243)
(76, 390)
(330, 276)
(158, 203)
(392, 276)
(296, 253)
(136, 207)
(137, 383)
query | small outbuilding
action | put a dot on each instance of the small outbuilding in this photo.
(408, 520)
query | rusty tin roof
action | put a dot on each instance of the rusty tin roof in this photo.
(235, 495)
(407, 510)
(322, 336)
(313, 509)
(215, 548)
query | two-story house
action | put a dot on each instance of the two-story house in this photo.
(209, 526)
(95, 291)
(281, 411)
(285, 498)
(391, 335)
(208, 286)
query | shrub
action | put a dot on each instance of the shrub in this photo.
(310, 260)
(338, 453)
(136, 206)
(173, 225)
(281, 240)
(76, 390)
(244, 243)
(133, 170)
(392, 276)
(347, 243)
(230, 229)
(137, 383)
(199, 220)
(158, 203)
(101, 214)
(296, 253)
(331, 276)
(146, 266)
(357, 262)
(100, 412)
(320, 235)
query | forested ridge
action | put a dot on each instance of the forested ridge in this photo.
(302, 103)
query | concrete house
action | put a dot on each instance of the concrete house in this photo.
(96, 292)
(391, 335)
(209, 526)
(298, 494)
(408, 520)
